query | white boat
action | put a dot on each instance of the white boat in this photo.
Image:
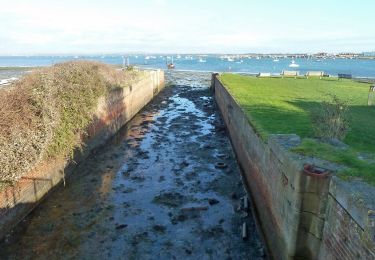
(178, 56)
(293, 64)
(147, 57)
(201, 60)
(276, 60)
(258, 58)
(230, 59)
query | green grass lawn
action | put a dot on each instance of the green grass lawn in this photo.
(285, 106)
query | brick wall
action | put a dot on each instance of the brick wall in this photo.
(349, 227)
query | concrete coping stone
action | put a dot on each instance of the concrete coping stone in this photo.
(357, 198)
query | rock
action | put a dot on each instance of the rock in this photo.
(213, 201)
(335, 142)
(221, 165)
(233, 195)
(94, 180)
(196, 208)
(208, 146)
(121, 226)
(184, 164)
(159, 228)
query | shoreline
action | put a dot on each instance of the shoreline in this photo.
(25, 69)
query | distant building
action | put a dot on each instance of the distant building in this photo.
(369, 54)
(348, 55)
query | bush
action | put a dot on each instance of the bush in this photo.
(44, 114)
(331, 121)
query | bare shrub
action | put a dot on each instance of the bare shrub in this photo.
(331, 121)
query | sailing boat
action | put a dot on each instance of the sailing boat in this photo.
(293, 64)
(171, 64)
(201, 60)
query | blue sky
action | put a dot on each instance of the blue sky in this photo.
(185, 26)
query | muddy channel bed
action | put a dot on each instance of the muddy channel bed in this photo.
(166, 187)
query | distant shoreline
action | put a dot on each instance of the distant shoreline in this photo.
(18, 68)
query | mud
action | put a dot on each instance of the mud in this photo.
(166, 187)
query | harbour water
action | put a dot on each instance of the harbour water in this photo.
(210, 63)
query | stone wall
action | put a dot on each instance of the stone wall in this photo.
(299, 213)
(113, 111)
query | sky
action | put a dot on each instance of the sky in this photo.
(185, 26)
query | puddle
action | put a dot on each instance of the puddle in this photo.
(166, 187)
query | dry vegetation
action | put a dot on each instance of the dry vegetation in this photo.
(43, 114)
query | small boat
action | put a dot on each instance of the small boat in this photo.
(293, 64)
(147, 57)
(276, 60)
(171, 64)
(230, 59)
(201, 60)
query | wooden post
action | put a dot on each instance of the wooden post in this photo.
(244, 231)
(371, 96)
(245, 203)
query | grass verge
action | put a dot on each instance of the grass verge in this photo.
(286, 106)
